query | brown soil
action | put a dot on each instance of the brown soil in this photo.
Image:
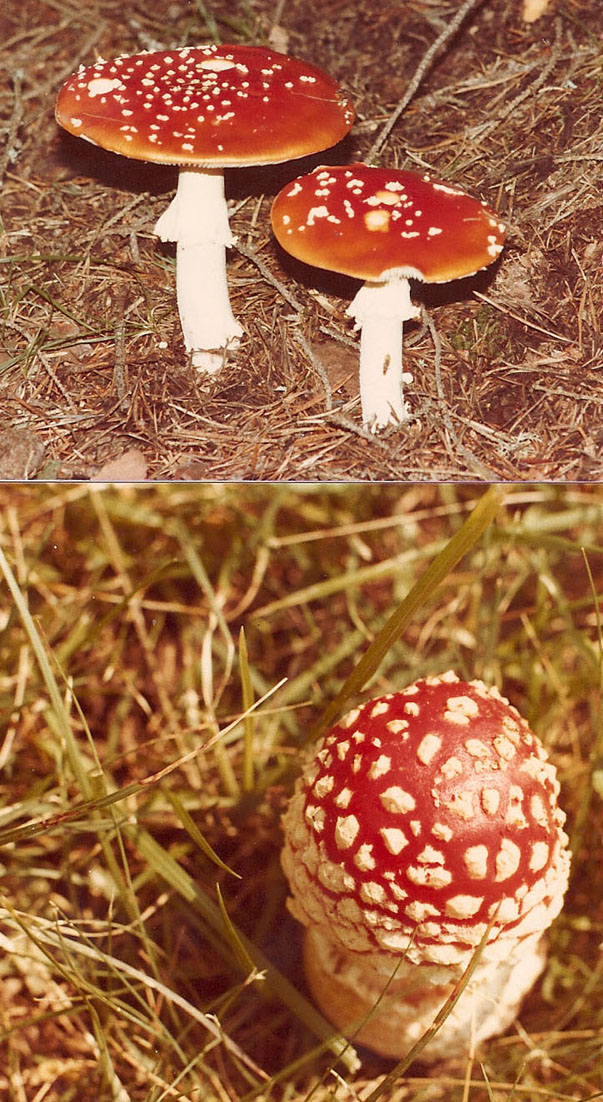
(92, 365)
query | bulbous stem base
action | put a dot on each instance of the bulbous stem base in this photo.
(347, 986)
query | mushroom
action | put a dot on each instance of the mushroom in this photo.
(384, 226)
(424, 817)
(204, 108)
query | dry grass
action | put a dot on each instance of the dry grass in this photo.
(132, 791)
(93, 366)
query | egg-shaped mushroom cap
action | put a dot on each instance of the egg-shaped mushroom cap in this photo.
(206, 105)
(422, 817)
(372, 223)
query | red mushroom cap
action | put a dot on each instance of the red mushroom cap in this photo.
(209, 105)
(426, 814)
(371, 223)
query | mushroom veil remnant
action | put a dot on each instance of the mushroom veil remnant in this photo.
(423, 817)
(204, 108)
(384, 226)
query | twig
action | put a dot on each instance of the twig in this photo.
(422, 68)
(344, 422)
(317, 364)
(511, 106)
(57, 382)
(251, 254)
(10, 150)
(319, 368)
(469, 456)
(119, 361)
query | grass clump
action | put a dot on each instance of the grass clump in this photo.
(165, 654)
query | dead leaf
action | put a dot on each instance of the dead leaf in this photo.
(21, 455)
(131, 466)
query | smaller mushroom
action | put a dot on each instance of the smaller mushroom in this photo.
(384, 226)
(424, 821)
(204, 108)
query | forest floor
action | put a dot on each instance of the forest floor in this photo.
(506, 366)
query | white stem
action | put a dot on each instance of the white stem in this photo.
(379, 310)
(347, 986)
(197, 219)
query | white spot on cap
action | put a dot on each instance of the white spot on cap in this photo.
(538, 811)
(380, 767)
(396, 799)
(477, 748)
(504, 747)
(397, 726)
(100, 86)
(316, 817)
(463, 906)
(475, 860)
(444, 187)
(428, 748)
(452, 768)
(429, 876)
(371, 892)
(507, 911)
(442, 831)
(364, 859)
(539, 857)
(350, 717)
(490, 800)
(343, 798)
(461, 804)
(323, 786)
(346, 830)
(391, 940)
(515, 814)
(377, 220)
(460, 709)
(420, 911)
(395, 840)
(507, 859)
(75, 122)
(379, 709)
(316, 212)
(334, 877)
(431, 856)
(217, 64)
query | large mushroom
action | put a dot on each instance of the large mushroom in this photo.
(204, 108)
(384, 226)
(423, 818)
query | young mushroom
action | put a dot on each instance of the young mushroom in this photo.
(204, 108)
(422, 817)
(384, 226)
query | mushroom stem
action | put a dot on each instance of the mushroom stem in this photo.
(379, 310)
(197, 219)
(348, 986)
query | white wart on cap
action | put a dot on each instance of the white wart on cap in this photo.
(384, 226)
(204, 108)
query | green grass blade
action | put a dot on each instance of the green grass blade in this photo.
(249, 721)
(475, 525)
(57, 702)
